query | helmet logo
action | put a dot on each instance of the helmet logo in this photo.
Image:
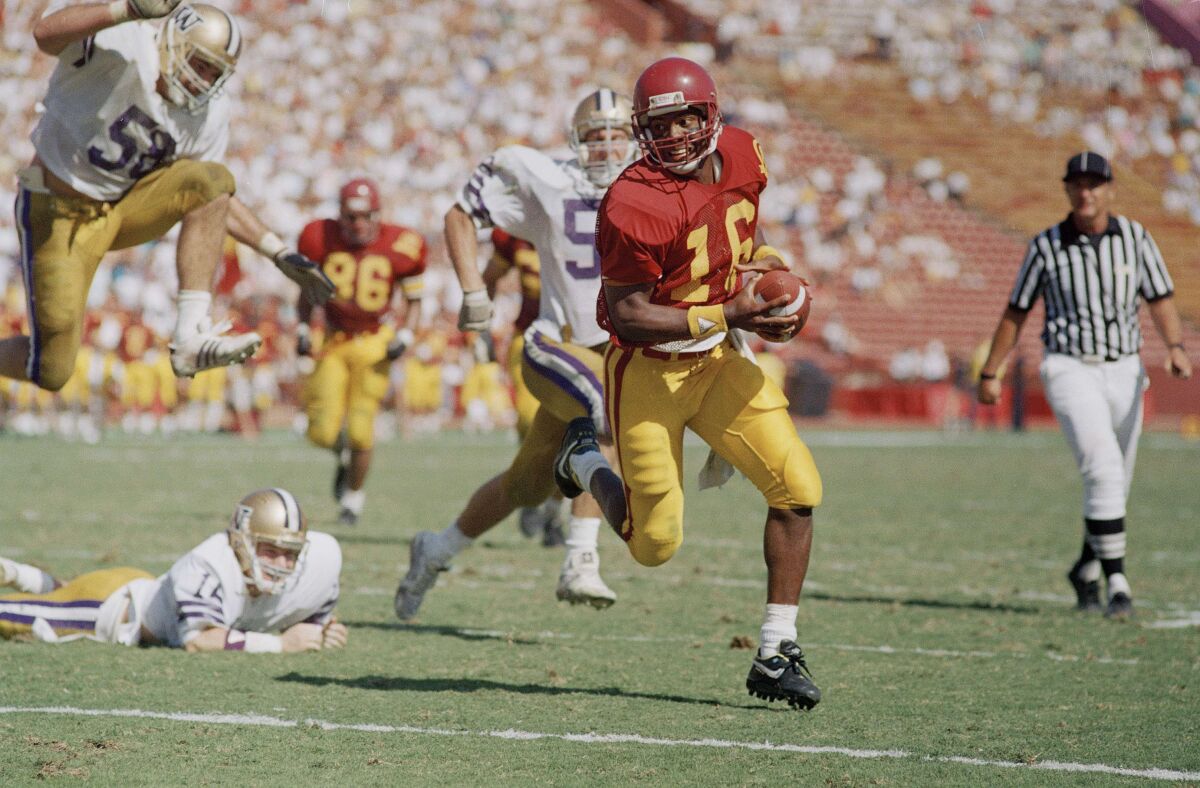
(666, 100)
(186, 18)
(241, 517)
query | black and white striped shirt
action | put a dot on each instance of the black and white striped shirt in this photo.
(1092, 286)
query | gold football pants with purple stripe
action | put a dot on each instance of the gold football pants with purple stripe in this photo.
(726, 400)
(526, 404)
(565, 379)
(64, 238)
(69, 609)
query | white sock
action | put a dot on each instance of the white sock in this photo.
(354, 500)
(582, 533)
(1118, 584)
(25, 578)
(585, 466)
(193, 312)
(779, 623)
(450, 542)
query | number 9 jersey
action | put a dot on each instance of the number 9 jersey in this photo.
(365, 275)
(106, 126)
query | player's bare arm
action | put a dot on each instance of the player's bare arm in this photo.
(1003, 341)
(54, 32)
(1166, 320)
(248, 229)
(476, 311)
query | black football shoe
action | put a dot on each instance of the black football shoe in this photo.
(580, 438)
(784, 676)
(1120, 607)
(1087, 592)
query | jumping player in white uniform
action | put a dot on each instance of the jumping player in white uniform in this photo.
(552, 204)
(136, 122)
(1092, 270)
(265, 573)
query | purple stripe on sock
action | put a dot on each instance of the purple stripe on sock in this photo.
(83, 626)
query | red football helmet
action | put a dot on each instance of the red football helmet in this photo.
(670, 86)
(359, 207)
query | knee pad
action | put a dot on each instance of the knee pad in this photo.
(801, 484)
(323, 432)
(653, 552)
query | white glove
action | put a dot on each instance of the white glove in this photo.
(476, 311)
(716, 471)
(151, 9)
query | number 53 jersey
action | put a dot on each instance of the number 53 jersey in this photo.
(365, 276)
(106, 126)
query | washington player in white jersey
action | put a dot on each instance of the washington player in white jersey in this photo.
(552, 204)
(135, 124)
(265, 573)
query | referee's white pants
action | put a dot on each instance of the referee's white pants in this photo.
(1099, 407)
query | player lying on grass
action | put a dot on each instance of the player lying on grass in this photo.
(265, 573)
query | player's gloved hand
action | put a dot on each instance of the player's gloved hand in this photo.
(314, 284)
(303, 637)
(335, 634)
(150, 9)
(476, 311)
(401, 342)
(303, 340)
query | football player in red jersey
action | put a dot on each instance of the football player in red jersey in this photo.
(680, 251)
(364, 257)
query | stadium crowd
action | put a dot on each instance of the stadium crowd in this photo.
(375, 93)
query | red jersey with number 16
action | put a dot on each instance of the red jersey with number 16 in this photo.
(364, 276)
(679, 234)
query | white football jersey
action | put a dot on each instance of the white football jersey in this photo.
(206, 588)
(553, 205)
(106, 125)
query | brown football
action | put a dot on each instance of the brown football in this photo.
(774, 284)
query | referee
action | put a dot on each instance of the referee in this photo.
(1092, 269)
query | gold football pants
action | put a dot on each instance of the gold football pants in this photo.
(64, 238)
(726, 400)
(69, 609)
(348, 385)
(565, 380)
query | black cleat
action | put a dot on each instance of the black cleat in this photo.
(784, 676)
(1087, 592)
(1120, 607)
(347, 517)
(579, 439)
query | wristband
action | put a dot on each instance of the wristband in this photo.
(270, 245)
(119, 9)
(765, 251)
(706, 321)
(262, 643)
(986, 376)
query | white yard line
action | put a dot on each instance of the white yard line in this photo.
(262, 720)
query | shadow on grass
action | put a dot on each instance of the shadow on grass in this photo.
(463, 633)
(462, 684)
(944, 604)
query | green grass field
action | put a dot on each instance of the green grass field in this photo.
(936, 619)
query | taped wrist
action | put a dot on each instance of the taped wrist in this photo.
(120, 11)
(253, 642)
(271, 245)
(765, 251)
(706, 321)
